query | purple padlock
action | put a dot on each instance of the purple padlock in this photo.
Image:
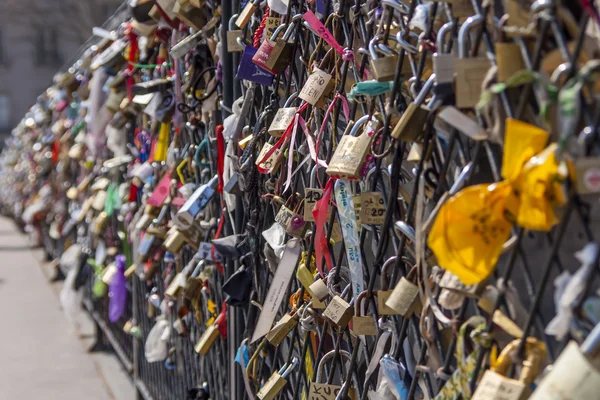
(252, 72)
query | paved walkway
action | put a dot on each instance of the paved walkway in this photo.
(42, 355)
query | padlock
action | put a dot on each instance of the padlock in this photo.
(508, 56)
(339, 312)
(327, 391)
(384, 293)
(291, 220)
(282, 328)
(283, 118)
(248, 70)
(100, 223)
(384, 68)
(404, 298)
(349, 156)
(273, 161)
(281, 55)
(319, 289)
(495, 385)
(175, 241)
(362, 324)
(233, 35)
(410, 126)
(99, 200)
(192, 16)
(315, 87)
(275, 384)
(109, 273)
(244, 17)
(207, 340)
(264, 51)
(470, 72)
(444, 63)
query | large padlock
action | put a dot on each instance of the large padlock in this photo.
(281, 56)
(327, 391)
(384, 68)
(470, 72)
(319, 84)
(351, 152)
(263, 53)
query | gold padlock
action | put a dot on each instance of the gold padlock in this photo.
(403, 298)
(384, 293)
(339, 312)
(244, 17)
(349, 156)
(192, 16)
(410, 125)
(207, 340)
(384, 68)
(273, 161)
(327, 391)
(282, 119)
(282, 328)
(276, 382)
(291, 220)
(362, 324)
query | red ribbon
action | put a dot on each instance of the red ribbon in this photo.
(321, 243)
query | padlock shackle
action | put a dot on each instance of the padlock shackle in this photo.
(290, 100)
(232, 21)
(359, 123)
(442, 35)
(400, 7)
(405, 44)
(471, 23)
(384, 270)
(277, 31)
(559, 72)
(408, 231)
(329, 355)
(383, 48)
(359, 304)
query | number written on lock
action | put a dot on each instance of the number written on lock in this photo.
(372, 209)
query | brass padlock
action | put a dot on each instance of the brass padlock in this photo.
(411, 123)
(363, 324)
(470, 72)
(384, 293)
(100, 222)
(384, 68)
(281, 55)
(404, 298)
(233, 35)
(339, 312)
(192, 16)
(291, 220)
(327, 391)
(273, 161)
(276, 382)
(207, 340)
(244, 17)
(319, 289)
(351, 152)
(283, 118)
(315, 87)
(282, 328)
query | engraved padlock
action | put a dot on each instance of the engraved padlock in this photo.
(281, 55)
(363, 324)
(470, 72)
(351, 152)
(339, 312)
(320, 83)
(384, 68)
(263, 53)
(328, 391)
(275, 384)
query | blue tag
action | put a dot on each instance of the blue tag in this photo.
(321, 8)
(252, 72)
(394, 371)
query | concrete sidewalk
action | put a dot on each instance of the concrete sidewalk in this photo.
(42, 355)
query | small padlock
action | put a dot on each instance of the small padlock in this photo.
(244, 17)
(384, 293)
(281, 56)
(349, 156)
(470, 72)
(404, 298)
(233, 35)
(273, 161)
(410, 126)
(384, 68)
(327, 391)
(362, 324)
(283, 118)
(282, 328)
(275, 384)
(339, 312)
(291, 220)
(207, 340)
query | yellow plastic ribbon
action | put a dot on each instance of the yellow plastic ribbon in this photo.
(162, 144)
(470, 230)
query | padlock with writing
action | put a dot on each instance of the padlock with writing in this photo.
(263, 53)
(282, 328)
(339, 312)
(363, 324)
(495, 385)
(275, 384)
(281, 55)
(291, 220)
(470, 72)
(351, 152)
(283, 118)
(328, 391)
(320, 83)
(273, 162)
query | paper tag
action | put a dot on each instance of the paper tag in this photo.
(318, 27)
(277, 290)
(372, 209)
(572, 378)
(494, 386)
(315, 86)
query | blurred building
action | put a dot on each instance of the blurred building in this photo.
(37, 38)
